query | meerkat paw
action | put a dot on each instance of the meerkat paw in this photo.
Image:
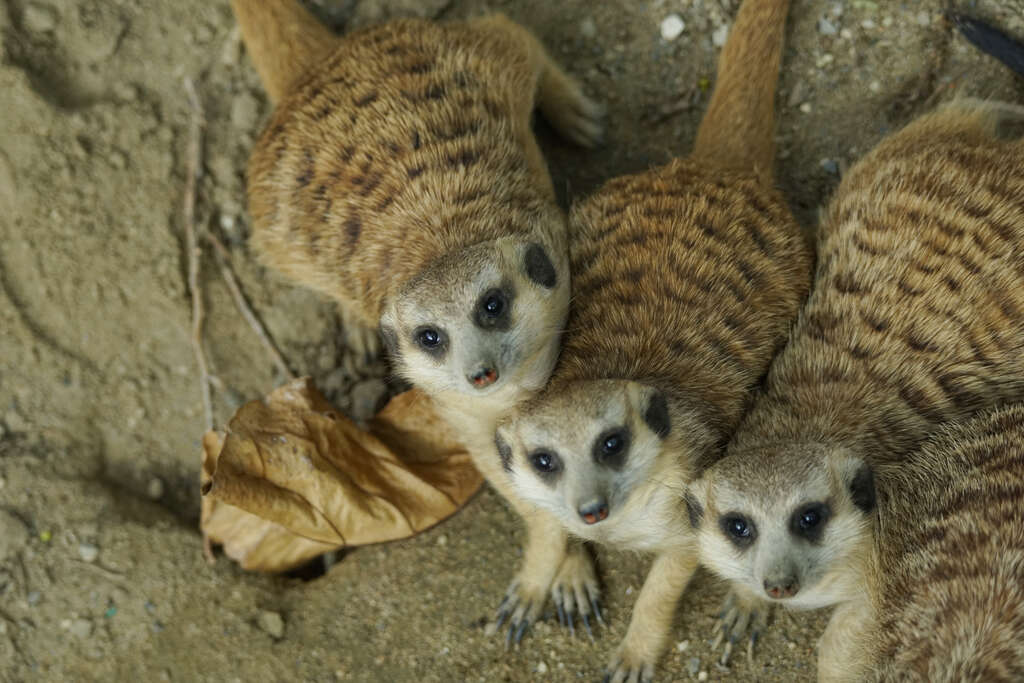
(521, 607)
(574, 115)
(739, 613)
(575, 591)
(630, 665)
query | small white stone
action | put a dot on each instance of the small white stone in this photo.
(672, 27)
(702, 676)
(442, 540)
(81, 628)
(542, 668)
(875, 86)
(720, 35)
(272, 623)
(40, 18)
(65, 624)
(88, 552)
(846, 34)
(806, 107)
(791, 645)
(155, 488)
(826, 27)
(868, 24)
(887, 21)
(588, 29)
(682, 645)
(923, 18)
(825, 60)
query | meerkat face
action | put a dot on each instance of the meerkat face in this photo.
(784, 523)
(482, 322)
(581, 452)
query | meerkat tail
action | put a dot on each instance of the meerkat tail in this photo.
(991, 41)
(283, 40)
(738, 129)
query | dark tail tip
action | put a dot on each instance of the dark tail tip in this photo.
(990, 40)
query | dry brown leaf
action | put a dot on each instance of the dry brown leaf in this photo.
(293, 478)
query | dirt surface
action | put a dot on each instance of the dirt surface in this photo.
(101, 576)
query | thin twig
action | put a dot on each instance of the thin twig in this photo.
(223, 258)
(195, 139)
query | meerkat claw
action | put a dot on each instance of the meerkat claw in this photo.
(586, 623)
(521, 630)
(561, 612)
(596, 606)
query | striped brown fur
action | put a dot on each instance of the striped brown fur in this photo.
(914, 319)
(945, 583)
(686, 280)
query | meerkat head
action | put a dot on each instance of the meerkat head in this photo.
(582, 450)
(484, 321)
(785, 521)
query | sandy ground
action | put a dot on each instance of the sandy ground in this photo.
(101, 576)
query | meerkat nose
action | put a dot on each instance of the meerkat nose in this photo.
(484, 377)
(783, 588)
(594, 511)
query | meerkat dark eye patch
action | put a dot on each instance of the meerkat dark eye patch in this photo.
(493, 310)
(611, 448)
(390, 338)
(656, 415)
(693, 510)
(546, 464)
(539, 267)
(862, 488)
(738, 529)
(809, 520)
(504, 452)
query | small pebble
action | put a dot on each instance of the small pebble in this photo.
(702, 676)
(868, 24)
(846, 34)
(442, 540)
(875, 86)
(693, 666)
(720, 35)
(272, 623)
(791, 645)
(826, 27)
(40, 18)
(81, 628)
(588, 29)
(672, 27)
(830, 166)
(542, 668)
(923, 18)
(806, 107)
(825, 60)
(88, 552)
(887, 21)
(682, 645)
(33, 597)
(155, 488)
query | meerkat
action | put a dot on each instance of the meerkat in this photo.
(399, 175)
(941, 588)
(686, 280)
(915, 318)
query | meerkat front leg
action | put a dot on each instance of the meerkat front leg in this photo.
(839, 650)
(546, 548)
(649, 628)
(574, 115)
(575, 590)
(740, 610)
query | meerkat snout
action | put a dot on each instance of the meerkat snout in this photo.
(594, 511)
(484, 377)
(781, 587)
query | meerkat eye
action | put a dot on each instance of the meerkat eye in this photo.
(492, 310)
(545, 462)
(809, 521)
(740, 530)
(493, 304)
(613, 444)
(611, 448)
(429, 338)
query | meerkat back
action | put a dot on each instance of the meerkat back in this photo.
(398, 174)
(946, 581)
(686, 279)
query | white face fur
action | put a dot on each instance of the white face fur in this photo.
(790, 537)
(484, 324)
(586, 453)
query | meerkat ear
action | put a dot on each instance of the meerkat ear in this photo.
(862, 488)
(693, 509)
(390, 337)
(539, 267)
(656, 414)
(504, 451)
